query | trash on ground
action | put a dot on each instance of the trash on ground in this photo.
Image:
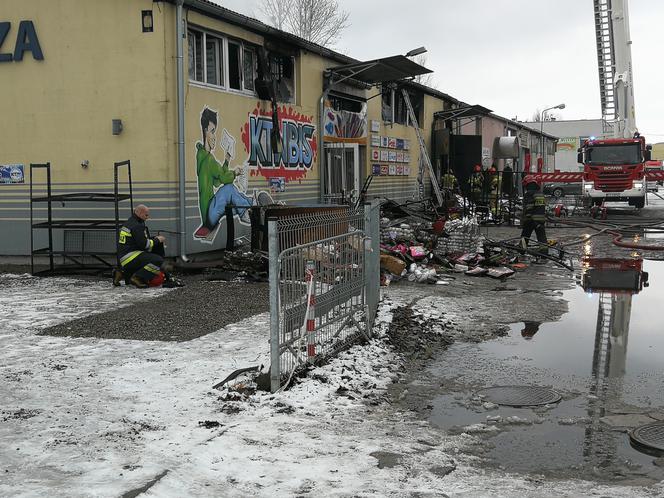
(424, 247)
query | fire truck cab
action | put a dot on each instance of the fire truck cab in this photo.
(614, 169)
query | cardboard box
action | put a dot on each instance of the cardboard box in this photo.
(392, 264)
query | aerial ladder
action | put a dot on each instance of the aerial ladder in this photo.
(603, 177)
(614, 61)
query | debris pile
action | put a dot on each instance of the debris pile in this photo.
(424, 251)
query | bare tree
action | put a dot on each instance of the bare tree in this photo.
(548, 116)
(277, 12)
(424, 79)
(319, 21)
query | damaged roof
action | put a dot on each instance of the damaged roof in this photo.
(216, 11)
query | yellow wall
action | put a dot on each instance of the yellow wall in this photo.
(401, 187)
(98, 65)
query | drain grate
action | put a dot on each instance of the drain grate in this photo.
(650, 436)
(520, 395)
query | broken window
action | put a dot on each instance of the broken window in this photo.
(388, 115)
(234, 74)
(276, 76)
(248, 69)
(282, 71)
(339, 103)
(395, 110)
(400, 110)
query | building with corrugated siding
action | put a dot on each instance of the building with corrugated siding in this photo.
(186, 91)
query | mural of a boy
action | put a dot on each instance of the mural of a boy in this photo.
(216, 188)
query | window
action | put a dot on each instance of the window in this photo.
(395, 110)
(400, 109)
(615, 154)
(248, 69)
(387, 113)
(195, 57)
(234, 74)
(220, 62)
(214, 61)
(282, 71)
(339, 103)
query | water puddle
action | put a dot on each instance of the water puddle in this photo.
(604, 357)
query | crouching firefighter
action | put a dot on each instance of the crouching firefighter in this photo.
(141, 256)
(534, 217)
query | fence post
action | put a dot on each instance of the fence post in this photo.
(310, 269)
(273, 253)
(371, 261)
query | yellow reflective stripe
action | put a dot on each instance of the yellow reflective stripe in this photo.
(149, 245)
(152, 268)
(124, 233)
(129, 257)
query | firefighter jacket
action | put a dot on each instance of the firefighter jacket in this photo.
(134, 238)
(534, 206)
(476, 180)
(449, 181)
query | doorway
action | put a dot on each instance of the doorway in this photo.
(342, 175)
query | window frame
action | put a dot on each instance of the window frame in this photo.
(223, 59)
(272, 60)
(395, 97)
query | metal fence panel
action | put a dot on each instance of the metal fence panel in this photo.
(319, 281)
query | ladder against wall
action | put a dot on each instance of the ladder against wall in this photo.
(82, 244)
(424, 155)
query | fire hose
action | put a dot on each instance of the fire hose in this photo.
(618, 233)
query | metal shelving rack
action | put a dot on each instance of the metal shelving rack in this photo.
(79, 227)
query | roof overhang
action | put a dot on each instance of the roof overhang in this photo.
(469, 111)
(388, 69)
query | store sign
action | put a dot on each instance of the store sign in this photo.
(567, 144)
(298, 143)
(12, 173)
(26, 41)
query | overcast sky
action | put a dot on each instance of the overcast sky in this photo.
(512, 56)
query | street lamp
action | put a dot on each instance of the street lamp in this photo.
(559, 106)
(416, 51)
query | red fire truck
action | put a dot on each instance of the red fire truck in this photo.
(614, 170)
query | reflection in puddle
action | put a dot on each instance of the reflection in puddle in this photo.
(608, 387)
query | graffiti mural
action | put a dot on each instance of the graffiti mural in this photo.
(219, 186)
(295, 152)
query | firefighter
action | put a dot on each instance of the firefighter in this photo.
(534, 216)
(493, 180)
(476, 181)
(449, 181)
(141, 256)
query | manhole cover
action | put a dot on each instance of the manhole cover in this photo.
(650, 436)
(520, 395)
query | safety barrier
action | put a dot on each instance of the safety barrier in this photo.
(324, 285)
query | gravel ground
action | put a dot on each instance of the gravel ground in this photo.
(199, 308)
